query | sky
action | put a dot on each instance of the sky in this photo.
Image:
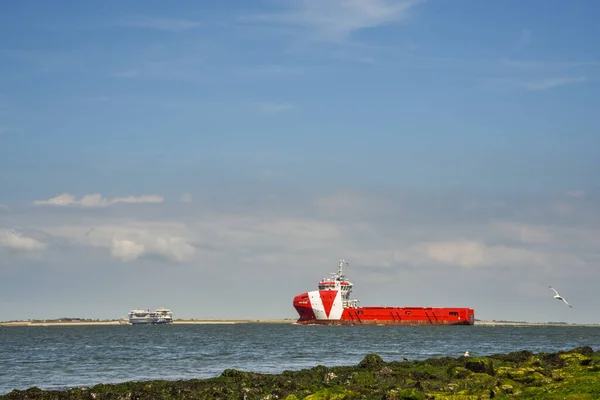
(218, 158)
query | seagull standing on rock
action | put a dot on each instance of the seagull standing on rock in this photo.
(559, 297)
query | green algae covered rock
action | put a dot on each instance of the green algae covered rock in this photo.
(573, 375)
(371, 361)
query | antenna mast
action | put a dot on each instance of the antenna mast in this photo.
(341, 270)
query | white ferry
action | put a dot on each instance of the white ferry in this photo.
(146, 317)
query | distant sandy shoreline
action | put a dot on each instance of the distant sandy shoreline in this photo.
(510, 323)
(122, 322)
(250, 321)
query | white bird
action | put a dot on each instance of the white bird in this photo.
(559, 297)
(467, 354)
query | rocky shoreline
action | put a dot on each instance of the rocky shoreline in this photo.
(573, 374)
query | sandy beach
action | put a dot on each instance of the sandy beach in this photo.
(122, 322)
(249, 321)
(510, 323)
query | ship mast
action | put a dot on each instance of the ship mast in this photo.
(346, 287)
(341, 276)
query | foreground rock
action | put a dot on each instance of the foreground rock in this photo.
(573, 374)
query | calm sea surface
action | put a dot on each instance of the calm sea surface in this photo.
(62, 357)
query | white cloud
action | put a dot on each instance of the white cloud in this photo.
(390, 230)
(163, 24)
(551, 83)
(18, 242)
(96, 200)
(130, 240)
(335, 20)
(126, 250)
(471, 254)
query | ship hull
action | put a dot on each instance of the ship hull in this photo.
(366, 320)
(324, 307)
(149, 321)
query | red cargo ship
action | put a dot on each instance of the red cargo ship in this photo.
(331, 305)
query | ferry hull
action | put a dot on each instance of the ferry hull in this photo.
(324, 307)
(149, 321)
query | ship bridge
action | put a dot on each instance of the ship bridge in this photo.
(338, 281)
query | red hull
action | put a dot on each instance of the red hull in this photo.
(396, 316)
(378, 315)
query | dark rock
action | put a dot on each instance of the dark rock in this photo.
(552, 361)
(233, 373)
(481, 366)
(586, 361)
(515, 357)
(585, 350)
(371, 361)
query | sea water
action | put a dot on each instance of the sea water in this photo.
(59, 357)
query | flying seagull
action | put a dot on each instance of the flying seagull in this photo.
(559, 297)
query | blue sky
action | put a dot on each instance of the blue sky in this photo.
(417, 139)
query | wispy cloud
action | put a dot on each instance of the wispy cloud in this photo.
(163, 24)
(522, 232)
(551, 83)
(272, 107)
(336, 20)
(168, 64)
(130, 240)
(96, 200)
(473, 254)
(546, 65)
(18, 242)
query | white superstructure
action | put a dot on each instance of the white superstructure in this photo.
(146, 317)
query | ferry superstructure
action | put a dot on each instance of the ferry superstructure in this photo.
(146, 317)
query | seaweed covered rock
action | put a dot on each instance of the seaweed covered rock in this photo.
(584, 350)
(516, 357)
(480, 365)
(567, 374)
(552, 361)
(371, 361)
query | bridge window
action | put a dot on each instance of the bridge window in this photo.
(454, 313)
